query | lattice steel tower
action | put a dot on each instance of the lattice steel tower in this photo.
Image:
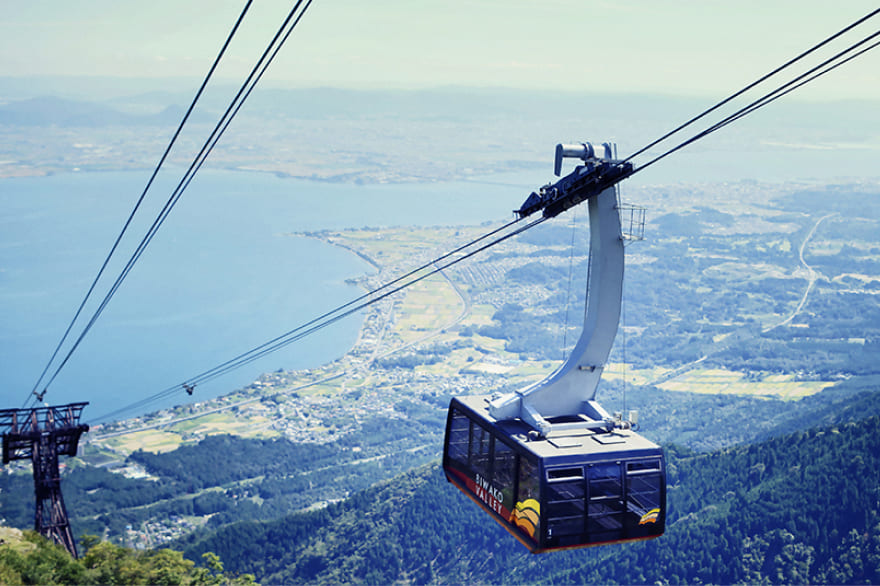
(42, 434)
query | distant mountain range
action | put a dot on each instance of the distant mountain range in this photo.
(436, 132)
(72, 101)
(53, 111)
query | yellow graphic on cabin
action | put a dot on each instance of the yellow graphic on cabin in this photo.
(650, 517)
(527, 515)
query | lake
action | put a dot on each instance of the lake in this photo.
(223, 274)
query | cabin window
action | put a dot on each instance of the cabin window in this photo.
(459, 438)
(563, 526)
(529, 481)
(565, 491)
(564, 473)
(473, 450)
(565, 508)
(565, 483)
(644, 486)
(646, 466)
(605, 480)
(504, 473)
(606, 498)
(480, 451)
(527, 510)
(565, 501)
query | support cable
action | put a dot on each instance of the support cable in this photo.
(335, 315)
(755, 83)
(568, 290)
(623, 342)
(786, 88)
(140, 200)
(247, 87)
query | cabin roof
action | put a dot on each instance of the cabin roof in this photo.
(568, 446)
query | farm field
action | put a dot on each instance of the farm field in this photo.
(718, 381)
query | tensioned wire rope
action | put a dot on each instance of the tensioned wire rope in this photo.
(334, 315)
(219, 129)
(243, 93)
(140, 199)
(755, 83)
(574, 227)
(799, 81)
(770, 97)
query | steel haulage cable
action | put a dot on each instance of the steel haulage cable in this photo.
(289, 338)
(755, 83)
(141, 198)
(247, 87)
(808, 76)
(336, 314)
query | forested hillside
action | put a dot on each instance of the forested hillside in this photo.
(29, 558)
(802, 508)
(223, 479)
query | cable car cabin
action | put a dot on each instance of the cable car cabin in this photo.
(574, 488)
(547, 462)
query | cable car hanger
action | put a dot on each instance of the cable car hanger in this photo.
(570, 391)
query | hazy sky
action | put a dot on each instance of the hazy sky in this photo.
(691, 47)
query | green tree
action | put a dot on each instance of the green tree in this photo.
(41, 563)
(38, 561)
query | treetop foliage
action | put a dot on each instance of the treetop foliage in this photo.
(35, 560)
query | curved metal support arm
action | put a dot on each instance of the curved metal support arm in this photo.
(571, 389)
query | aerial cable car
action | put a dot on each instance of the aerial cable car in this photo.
(548, 462)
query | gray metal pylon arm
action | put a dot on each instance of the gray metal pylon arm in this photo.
(571, 389)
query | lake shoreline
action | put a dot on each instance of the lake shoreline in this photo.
(263, 384)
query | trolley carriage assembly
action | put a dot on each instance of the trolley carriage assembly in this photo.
(548, 462)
